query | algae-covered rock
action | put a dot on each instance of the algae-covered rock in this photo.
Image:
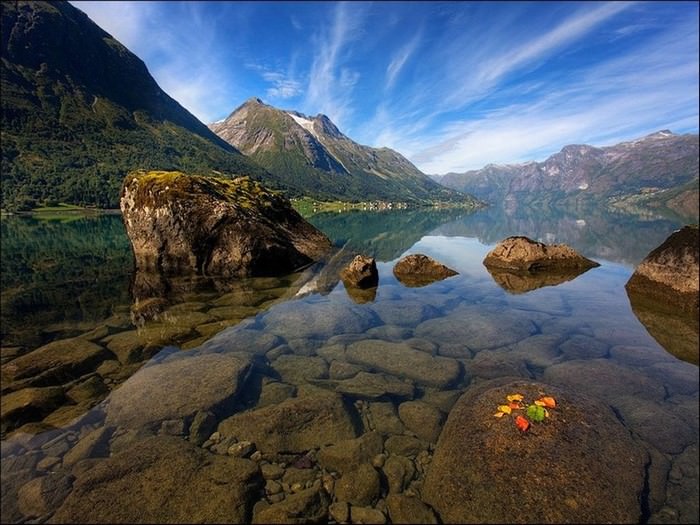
(182, 224)
(524, 254)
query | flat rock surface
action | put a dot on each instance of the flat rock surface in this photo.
(177, 389)
(164, 480)
(580, 465)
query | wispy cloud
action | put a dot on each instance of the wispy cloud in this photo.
(397, 63)
(330, 83)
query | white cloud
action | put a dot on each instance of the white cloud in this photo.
(397, 63)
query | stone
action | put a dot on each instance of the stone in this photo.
(164, 479)
(367, 515)
(320, 321)
(272, 471)
(202, 426)
(361, 272)
(339, 511)
(360, 486)
(342, 370)
(173, 427)
(420, 270)
(180, 224)
(366, 385)
(583, 347)
(408, 446)
(273, 487)
(274, 393)
(424, 420)
(93, 388)
(524, 254)
(56, 363)
(177, 389)
(43, 494)
(95, 444)
(242, 449)
(409, 509)
(442, 399)
(477, 328)
(405, 312)
(134, 346)
(294, 425)
(581, 453)
(301, 476)
(240, 339)
(306, 506)
(350, 453)
(385, 418)
(297, 370)
(404, 362)
(28, 404)
(669, 274)
(399, 471)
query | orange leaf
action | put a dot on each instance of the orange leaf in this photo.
(539, 403)
(522, 423)
(515, 397)
(499, 414)
(549, 402)
(515, 406)
(504, 408)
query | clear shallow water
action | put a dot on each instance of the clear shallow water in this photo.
(581, 334)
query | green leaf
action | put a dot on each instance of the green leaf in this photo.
(536, 413)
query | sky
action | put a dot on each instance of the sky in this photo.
(453, 86)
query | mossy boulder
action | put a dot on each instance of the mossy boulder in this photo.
(188, 224)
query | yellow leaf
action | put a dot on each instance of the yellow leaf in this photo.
(539, 403)
(504, 408)
(499, 414)
(515, 397)
(546, 413)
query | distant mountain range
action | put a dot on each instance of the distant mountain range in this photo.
(312, 155)
(658, 172)
(79, 111)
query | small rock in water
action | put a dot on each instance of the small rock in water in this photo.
(242, 449)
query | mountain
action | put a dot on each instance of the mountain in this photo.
(313, 156)
(657, 173)
(79, 111)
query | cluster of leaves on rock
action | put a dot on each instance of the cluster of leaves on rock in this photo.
(536, 411)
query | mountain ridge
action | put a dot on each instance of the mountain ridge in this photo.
(313, 155)
(656, 171)
(79, 111)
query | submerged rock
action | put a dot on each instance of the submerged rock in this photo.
(669, 275)
(523, 254)
(181, 224)
(164, 480)
(420, 270)
(580, 465)
(360, 273)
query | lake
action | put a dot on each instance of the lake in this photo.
(102, 368)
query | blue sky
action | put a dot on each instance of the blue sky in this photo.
(452, 86)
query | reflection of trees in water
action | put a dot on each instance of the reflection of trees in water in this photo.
(593, 232)
(54, 271)
(384, 235)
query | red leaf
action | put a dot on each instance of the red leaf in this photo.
(522, 423)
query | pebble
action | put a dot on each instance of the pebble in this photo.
(242, 449)
(339, 511)
(48, 462)
(271, 471)
(276, 498)
(378, 460)
(256, 456)
(273, 487)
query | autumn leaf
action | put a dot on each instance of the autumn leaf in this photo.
(539, 403)
(515, 406)
(499, 414)
(549, 401)
(515, 397)
(522, 423)
(504, 408)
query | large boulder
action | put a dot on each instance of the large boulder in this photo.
(580, 465)
(164, 479)
(523, 254)
(420, 270)
(182, 224)
(669, 274)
